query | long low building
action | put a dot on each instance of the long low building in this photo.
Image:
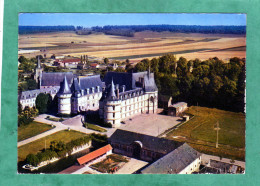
(166, 156)
(106, 150)
(183, 160)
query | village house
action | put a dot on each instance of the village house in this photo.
(69, 63)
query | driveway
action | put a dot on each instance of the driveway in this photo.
(131, 166)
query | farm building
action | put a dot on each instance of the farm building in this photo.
(177, 109)
(103, 151)
(183, 160)
(166, 156)
(67, 62)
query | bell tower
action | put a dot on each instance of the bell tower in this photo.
(38, 72)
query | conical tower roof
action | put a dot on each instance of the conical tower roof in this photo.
(75, 88)
(112, 90)
(64, 88)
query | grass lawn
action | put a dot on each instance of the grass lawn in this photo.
(95, 127)
(54, 119)
(200, 133)
(34, 147)
(32, 129)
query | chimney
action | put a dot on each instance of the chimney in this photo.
(117, 91)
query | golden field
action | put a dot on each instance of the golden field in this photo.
(143, 45)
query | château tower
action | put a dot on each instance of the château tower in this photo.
(64, 98)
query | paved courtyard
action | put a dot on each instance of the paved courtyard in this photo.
(150, 124)
(131, 166)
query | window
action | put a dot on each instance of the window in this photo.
(93, 104)
(113, 107)
(113, 115)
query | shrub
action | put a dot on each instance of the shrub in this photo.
(32, 159)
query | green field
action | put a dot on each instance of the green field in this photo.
(32, 129)
(199, 132)
(36, 146)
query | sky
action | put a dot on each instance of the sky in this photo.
(101, 19)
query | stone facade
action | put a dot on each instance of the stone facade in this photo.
(136, 94)
(117, 105)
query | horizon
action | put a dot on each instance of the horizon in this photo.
(89, 20)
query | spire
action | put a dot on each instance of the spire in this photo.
(149, 71)
(38, 62)
(64, 88)
(112, 90)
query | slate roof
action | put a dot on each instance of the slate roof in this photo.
(119, 78)
(179, 104)
(112, 94)
(90, 81)
(75, 88)
(34, 93)
(64, 87)
(55, 78)
(152, 143)
(149, 83)
(173, 162)
(90, 156)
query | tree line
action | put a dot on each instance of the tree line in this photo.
(210, 83)
(129, 30)
(44, 29)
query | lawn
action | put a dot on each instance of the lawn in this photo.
(200, 133)
(95, 127)
(34, 147)
(32, 129)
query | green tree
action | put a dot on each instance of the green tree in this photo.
(32, 159)
(22, 59)
(32, 85)
(106, 61)
(43, 102)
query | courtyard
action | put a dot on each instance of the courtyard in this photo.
(150, 124)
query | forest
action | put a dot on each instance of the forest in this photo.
(210, 83)
(129, 30)
(44, 29)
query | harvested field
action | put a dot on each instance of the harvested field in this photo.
(145, 44)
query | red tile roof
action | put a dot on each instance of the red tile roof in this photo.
(93, 64)
(70, 60)
(90, 156)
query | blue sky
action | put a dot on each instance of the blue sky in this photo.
(99, 19)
